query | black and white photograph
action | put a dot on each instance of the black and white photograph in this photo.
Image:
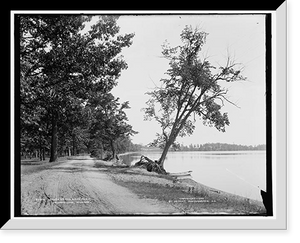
(125, 114)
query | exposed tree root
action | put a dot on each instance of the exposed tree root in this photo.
(151, 165)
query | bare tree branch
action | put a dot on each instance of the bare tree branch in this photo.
(230, 101)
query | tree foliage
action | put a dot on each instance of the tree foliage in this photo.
(193, 89)
(62, 68)
(110, 122)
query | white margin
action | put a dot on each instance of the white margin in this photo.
(278, 222)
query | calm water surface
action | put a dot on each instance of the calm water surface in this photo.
(238, 172)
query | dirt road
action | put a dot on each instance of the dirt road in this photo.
(77, 187)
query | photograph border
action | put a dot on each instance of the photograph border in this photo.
(278, 123)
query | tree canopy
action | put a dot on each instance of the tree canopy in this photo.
(62, 68)
(193, 89)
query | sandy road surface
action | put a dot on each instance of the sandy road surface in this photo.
(76, 187)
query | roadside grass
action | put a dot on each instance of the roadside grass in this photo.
(34, 165)
(190, 197)
(29, 166)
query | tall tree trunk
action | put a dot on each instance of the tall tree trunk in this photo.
(101, 150)
(164, 153)
(113, 149)
(53, 155)
(74, 144)
(174, 133)
(43, 153)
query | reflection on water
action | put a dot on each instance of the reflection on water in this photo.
(130, 158)
(241, 172)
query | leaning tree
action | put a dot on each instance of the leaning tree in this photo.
(193, 89)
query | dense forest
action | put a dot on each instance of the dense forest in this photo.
(66, 76)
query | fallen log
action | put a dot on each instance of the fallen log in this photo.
(151, 165)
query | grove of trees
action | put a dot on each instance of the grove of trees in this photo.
(66, 77)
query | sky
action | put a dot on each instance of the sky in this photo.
(240, 36)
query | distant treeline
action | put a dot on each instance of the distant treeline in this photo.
(220, 147)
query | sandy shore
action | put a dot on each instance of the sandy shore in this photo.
(85, 186)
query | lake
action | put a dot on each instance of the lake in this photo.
(238, 172)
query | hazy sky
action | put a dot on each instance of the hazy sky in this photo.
(242, 36)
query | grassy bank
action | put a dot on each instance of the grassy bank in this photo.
(34, 165)
(188, 196)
